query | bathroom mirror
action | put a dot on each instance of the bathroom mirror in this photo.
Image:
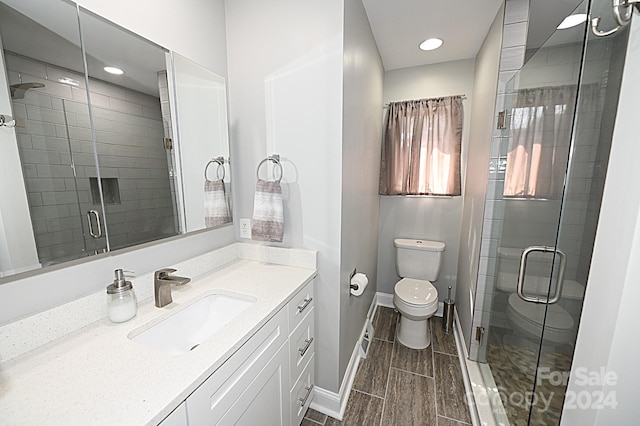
(88, 173)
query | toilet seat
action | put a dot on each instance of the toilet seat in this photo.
(530, 317)
(416, 293)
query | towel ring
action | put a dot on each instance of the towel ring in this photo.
(275, 158)
(220, 162)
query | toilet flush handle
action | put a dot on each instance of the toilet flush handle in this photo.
(523, 270)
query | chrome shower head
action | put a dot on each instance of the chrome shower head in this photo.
(18, 90)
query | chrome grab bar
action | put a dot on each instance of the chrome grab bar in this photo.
(98, 224)
(523, 269)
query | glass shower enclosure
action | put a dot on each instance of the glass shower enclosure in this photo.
(543, 203)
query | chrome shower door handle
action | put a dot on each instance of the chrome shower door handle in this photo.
(523, 270)
(98, 224)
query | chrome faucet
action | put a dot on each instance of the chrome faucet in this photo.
(162, 285)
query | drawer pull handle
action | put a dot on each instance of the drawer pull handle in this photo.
(304, 400)
(303, 306)
(306, 346)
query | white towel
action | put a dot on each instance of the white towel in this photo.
(216, 207)
(268, 212)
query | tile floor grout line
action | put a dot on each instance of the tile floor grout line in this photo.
(455, 420)
(367, 393)
(412, 372)
(445, 353)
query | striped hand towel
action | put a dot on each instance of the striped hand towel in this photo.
(216, 207)
(268, 212)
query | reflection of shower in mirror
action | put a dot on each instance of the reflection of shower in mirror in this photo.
(18, 90)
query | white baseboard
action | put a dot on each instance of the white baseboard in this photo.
(462, 357)
(334, 404)
(386, 300)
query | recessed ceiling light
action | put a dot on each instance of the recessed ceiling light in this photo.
(114, 70)
(431, 44)
(572, 21)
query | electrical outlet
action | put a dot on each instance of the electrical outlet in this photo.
(245, 228)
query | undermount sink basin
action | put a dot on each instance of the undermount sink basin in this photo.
(186, 329)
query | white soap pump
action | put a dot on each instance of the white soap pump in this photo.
(121, 299)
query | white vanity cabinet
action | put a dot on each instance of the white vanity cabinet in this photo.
(268, 381)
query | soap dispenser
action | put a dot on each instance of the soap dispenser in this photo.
(121, 300)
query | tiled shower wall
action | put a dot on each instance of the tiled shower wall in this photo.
(514, 38)
(58, 159)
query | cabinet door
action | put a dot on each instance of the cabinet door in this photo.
(216, 397)
(265, 401)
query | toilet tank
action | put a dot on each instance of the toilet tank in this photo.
(418, 259)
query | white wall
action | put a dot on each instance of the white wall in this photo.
(361, 140)
(481, 131)
(196, 30)
(193, 28)
(430, 218)
(285, 97)
(607, 337)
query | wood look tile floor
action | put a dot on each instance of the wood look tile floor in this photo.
(398, 386)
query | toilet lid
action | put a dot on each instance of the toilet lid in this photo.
(416, 292)
(557, 318)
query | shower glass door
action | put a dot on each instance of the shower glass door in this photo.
(545, 196)
(45, 73)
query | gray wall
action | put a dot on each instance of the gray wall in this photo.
(361, 140)
(481, 130)
(195, 30)
(431, 218)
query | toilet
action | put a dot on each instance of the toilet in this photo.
(418, 263)
(527, 320)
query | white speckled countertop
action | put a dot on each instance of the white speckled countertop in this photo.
(96, 375)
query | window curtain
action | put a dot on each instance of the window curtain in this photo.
(540, 139)
(421, 147)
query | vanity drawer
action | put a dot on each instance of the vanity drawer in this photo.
(302, 345)
(302, 393)
(300, 305)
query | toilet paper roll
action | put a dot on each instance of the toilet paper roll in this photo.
(361, 281)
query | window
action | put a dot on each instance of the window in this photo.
(421, 147)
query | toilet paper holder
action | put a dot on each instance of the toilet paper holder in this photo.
(352, 286)
(358, 282)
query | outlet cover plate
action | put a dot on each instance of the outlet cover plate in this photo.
(245, 228)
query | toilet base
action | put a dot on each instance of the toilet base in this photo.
(413, 334)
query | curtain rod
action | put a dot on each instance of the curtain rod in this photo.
(463, 96)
